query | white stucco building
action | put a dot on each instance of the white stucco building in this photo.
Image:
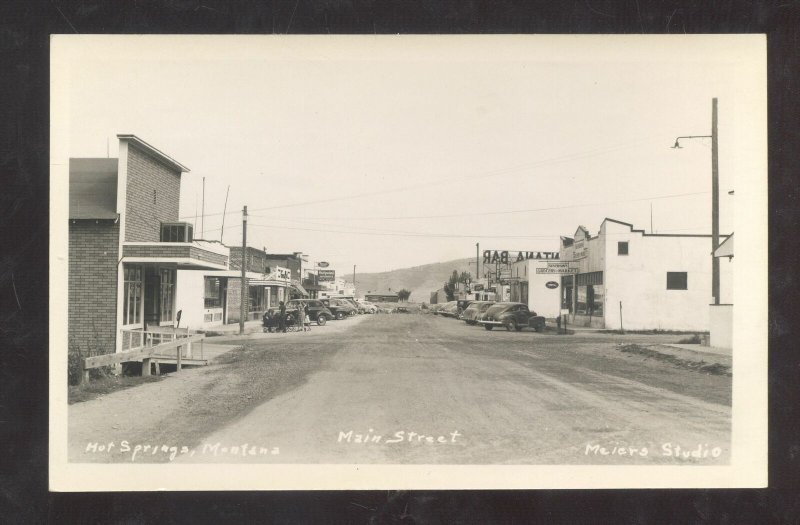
(626, 278)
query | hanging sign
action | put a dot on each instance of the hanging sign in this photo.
(326, 275)
(506, 257)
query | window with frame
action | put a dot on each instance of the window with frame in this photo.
(677, 281)
(167, 295)
(132, 301)
(622, 248)
(176, 232)
(213, 293)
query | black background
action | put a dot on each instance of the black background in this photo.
(24, 150)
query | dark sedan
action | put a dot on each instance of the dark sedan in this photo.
(514, 316)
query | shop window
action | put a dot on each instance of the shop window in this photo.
(132, 301)
(677, 281)
(622, 248)
(167, 295)
(213, 292)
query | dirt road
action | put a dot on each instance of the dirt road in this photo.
(424, 389)
(487, 397)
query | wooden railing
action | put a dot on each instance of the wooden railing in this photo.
(179, 343)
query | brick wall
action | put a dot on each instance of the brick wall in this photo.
(256, 259)
(147, 178)
(234, 300)
(92, 291)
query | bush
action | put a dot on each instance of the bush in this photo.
(74, 362)
(694, 340)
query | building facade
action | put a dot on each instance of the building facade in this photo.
(126, 245)
(210, 299)
(626, 278)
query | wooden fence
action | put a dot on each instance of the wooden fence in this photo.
(144, 353)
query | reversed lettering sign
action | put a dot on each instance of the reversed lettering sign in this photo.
(326, 275)
(579, 250)
(506, 257)
(558, 268)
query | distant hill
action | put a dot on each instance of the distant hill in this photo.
(421, 280)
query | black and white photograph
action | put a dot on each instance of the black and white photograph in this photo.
(315, 262)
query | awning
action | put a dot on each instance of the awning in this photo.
(299, 288)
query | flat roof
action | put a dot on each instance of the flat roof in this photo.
(93, 188)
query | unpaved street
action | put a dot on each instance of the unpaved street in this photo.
(425, 389)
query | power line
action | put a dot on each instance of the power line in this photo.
(544, 162)
(509, 212)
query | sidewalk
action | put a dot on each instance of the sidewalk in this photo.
(727, 352)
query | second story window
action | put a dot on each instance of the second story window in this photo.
(622, 248)
(176, 232)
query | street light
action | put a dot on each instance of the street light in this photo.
(714, 195)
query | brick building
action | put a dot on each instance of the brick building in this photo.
(126, 245)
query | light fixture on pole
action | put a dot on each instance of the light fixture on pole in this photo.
(714, 195)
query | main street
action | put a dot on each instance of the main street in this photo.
(415, 388)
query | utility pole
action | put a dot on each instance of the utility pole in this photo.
(477, 261)
(714, 202)
(224, 211)
(203, 212)
(245, 295)
(354, 280)
(714, 195)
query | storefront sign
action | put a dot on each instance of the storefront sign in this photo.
(505, 257)
(326, 275)
(323, 264)
(560, 268)
(283, 274)
(579, 250)
(551, 284)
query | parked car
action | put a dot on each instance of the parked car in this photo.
(470, 314)
(367, 308)
(401, 310)
(317, 311)
(514, 316)
(339, 307)
(449, 309)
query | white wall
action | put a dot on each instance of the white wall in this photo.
(639, 280)
(721, 324)
(190, 297)
(541, 299)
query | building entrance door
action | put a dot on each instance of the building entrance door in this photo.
(152, 297)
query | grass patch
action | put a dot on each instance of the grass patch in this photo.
(716, 369)
(106, 385)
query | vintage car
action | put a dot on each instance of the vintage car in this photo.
(470, 314)
(449, 309)
(367, 308)
(339, 307)
(514, 316)
(316, 310)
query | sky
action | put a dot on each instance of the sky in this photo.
(390, 152)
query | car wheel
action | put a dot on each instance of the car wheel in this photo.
(339, 316)
(487, 327)
(321, 320)
(511, 325)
